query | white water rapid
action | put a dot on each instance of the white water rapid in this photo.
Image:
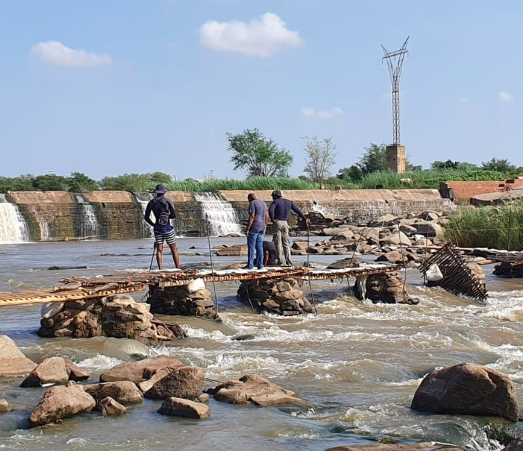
(13, 228)
(148, 231)
(220, 214)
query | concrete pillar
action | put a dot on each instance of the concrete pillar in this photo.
(396, 158)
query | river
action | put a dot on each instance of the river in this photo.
(358, 364)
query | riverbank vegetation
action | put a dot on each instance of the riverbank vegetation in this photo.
(499, 227)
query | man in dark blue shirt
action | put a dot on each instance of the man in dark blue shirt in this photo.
(279, 212)
(163, 211)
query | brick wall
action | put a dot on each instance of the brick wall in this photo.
(466, 190)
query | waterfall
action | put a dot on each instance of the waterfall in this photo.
(220, 214)
(322, 210)
(143, 199)
(88, 221)
(13, 228)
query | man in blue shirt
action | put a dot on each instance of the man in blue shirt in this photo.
(163, 210)
(258, 219)
(279, 212)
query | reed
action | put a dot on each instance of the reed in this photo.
(499, 227)
(253, 184)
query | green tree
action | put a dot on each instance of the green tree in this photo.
(15, 184)
(258, 155)
(80, 183)
(351, 174)
(51, 182)
(321, 156)
(160, 177)
(127, 182)
(374, 159)
(498, 165)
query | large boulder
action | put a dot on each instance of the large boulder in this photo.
(124, 392)
(467, 389)
(109, 407)
(428, 229)
(12, 361)
(139, 371)
(54, 370)
(397, 238)
(180, 407)
(255, 389)
(183, 382)
(60, 402)
(514, 445)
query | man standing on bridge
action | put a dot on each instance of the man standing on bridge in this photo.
(163, 210)
(279, 212)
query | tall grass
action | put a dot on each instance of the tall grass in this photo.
(254, 184)
(499, 227)
(424, 179)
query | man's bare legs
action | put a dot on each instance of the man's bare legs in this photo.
(176, 256)
(159, 256)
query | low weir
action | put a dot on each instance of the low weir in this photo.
(60, 215)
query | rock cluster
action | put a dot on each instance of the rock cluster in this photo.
(54, 370)
(161, 377)
(189, 300)
(467, 389)
(118, 316)
(279, 296)
(235, 250)
(12, 361)
(380, 236)
(389, 288)
(509, 269)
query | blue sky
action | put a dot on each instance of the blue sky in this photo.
(120, 86)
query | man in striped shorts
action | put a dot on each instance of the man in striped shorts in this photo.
(163, 210)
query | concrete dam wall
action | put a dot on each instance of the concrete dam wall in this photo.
(58, 215)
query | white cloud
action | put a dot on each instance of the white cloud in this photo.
(321, 114)
(506, 97)
(262, 37)
(54, 52)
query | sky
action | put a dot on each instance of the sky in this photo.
(133, 86)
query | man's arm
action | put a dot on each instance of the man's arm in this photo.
(266, 218)
(147, 215)
(271, 211)
(249, 224)
(296, 210)
(172, 210)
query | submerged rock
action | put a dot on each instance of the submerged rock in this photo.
(255, 389)
(111, 408)
(124, 392)
(467, 389)
(60, 402)
(184, 408)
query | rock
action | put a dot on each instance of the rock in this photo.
(407, 229)
(202, 397)
(255, 389)
(429, 216)
(139, 371)
(383, 221)
(397, 238)
(393, 257)
(467, 389)
(278, 296)
(183, 300)
(5, 406)
(514, 445)
(389, 288)
(54, 370)
(51, 309)
(60, 402)
(345, 263)
(118, 316)
(236, 250)
(111, 408)
(429, 446)
(12, 361)
(180, 407)
(428, 229)
(125, 392)
(183, 382)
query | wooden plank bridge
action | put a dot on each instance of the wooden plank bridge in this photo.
(77, 288)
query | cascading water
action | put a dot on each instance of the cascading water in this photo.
(13, 228)
(143, 199)
(88, 221)
(220, 214)
(321, 209)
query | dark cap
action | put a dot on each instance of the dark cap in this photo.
(160, 189)
(276, 193)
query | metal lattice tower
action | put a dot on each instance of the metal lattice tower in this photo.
(395, 63)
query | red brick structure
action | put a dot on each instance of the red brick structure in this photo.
(466, 190)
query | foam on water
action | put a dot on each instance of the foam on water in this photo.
(99, 362)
